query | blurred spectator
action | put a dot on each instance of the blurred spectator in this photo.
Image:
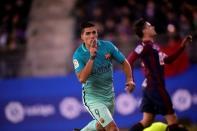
(110, 29)
(184, 25)
(195, 20)
(3, 39)
(13, 22)
(124, 34)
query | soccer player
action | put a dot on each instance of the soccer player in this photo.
(93, 66)
(155, 99)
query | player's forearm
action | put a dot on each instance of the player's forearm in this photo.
(84, 74)
(127, 70)
(173, 57)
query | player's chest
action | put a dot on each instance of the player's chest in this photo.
(151, 55)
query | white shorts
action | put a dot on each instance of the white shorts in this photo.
(101, 112)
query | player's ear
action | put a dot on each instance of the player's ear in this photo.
(82, 36)
(143, 32)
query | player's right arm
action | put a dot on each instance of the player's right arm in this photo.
(84, 70)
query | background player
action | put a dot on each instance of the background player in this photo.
(155, 99)
(93, 66)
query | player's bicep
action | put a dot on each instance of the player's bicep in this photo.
(132, 57)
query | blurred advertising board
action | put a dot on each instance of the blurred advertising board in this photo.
(54, 104)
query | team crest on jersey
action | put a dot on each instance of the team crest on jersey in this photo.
(107, 56)
(76, 63)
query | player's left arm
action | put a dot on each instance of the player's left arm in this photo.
(120, 58)
(169, 59)
(130, 85)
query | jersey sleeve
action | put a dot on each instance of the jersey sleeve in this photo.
(162, 55)
(117, 55)
(133, 56)
(78, 63)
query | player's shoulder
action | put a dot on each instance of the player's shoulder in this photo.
(105, 42)
(78, 51)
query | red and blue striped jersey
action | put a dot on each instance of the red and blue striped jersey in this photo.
(152, 61)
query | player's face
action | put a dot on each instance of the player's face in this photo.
(149, 29)
(89, 35)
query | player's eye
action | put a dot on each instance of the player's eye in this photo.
(94, 32)
(87, 33)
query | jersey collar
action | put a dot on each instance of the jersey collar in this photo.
(84, 47)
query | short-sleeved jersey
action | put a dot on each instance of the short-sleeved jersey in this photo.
(99, 84)
(152, 61)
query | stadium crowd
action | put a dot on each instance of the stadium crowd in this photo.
(13, 23)
(115, 18)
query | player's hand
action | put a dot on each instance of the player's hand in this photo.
(93, 48)
(129, 86)
(186, 40)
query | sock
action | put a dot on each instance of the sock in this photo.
(137, 127)
(91, 126)
(176, 127)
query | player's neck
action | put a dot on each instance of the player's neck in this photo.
(86, 45)
(148, 39)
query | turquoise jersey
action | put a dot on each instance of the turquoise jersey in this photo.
(99, 85)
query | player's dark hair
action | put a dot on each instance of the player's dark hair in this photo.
(86, 24)
(139, 26)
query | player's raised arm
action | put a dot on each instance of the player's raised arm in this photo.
(171, 58)
(83, 75)
(85, 72)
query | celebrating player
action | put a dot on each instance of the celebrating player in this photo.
(156, 99)
(93, 66)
